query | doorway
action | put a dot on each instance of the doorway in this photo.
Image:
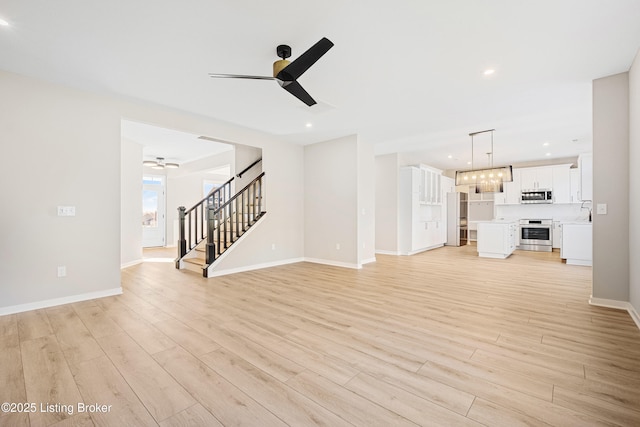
(153, 211)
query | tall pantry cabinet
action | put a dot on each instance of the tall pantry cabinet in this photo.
(422, 223)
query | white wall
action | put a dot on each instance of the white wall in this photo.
(71, 142)
(611, 186)
(62, 147)
(331, 201)
(366, 203)
(131, 202)
(386, 200)
(184, 187)
(634, 183)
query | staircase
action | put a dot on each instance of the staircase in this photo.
(217, 222)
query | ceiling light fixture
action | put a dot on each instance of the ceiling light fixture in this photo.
(491, 178)
(159, 163)
(449, 156)
(3, 23)
(309, 125)
(489, 72)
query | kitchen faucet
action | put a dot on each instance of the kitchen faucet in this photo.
(588, 207)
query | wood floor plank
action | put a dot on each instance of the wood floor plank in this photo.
(498, 342)
(33, 324)
(100, 382)
(196, 415)
(74, 338)
(269, 361)
(411, 406)
(11, 375)
(189, 338)
(48, 380)
(157, 390)
(95, 319)
(345, 403)
(220, 397)
(287, 404)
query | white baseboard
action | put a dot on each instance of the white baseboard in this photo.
(59, 301)
(368, 260)
(131, 263)
(333, 263)
(620, 305)
(254, 267)
(382, 252)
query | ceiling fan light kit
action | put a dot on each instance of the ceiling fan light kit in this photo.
(159, 163)
(286, 73)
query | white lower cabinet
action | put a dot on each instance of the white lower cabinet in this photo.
(496, 239)
(556, 238)
(577, 243)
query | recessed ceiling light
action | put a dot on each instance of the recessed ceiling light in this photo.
(309, 125)
(468, 163)
(546, 144)
(450, 156)
(3, 23)
(548, 154)
(489, 71)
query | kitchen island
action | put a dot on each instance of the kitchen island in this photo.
(497, 238)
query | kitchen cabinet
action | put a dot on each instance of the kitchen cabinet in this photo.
(496, 239)
(585, 164)
(479, 197)
(577, 243)
(511, 191)
(575, 185)
(561, 185)
(536, 178)
(421, 225)
(556, 237)
(430, 185)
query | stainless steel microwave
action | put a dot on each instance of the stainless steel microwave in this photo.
(536, 196)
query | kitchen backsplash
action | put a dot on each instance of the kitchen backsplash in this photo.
(565, 212)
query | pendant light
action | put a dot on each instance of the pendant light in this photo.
(487, 180)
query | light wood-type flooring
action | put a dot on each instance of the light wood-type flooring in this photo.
(441, 338)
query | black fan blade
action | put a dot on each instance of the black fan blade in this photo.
(240, 76)
(298, 91)
(294, 70)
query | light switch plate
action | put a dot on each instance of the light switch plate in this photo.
(601, 208)
(66, 211)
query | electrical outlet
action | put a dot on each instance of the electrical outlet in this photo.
(66, 211)
(62, 271)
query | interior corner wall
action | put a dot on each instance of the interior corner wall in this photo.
(331, 201)
(131, 202)
(634, 183)
(386, 202)
(366, 209)
(611, 187)
(63, 147)
(60, 132)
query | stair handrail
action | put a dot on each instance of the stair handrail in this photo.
(239, 175)
(195, 235)
(217, 217)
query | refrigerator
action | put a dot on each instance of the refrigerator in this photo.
(457, 211)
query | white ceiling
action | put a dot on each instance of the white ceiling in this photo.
(404, 75)
(172, 145)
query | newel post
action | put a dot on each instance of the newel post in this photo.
(211, 225)
(182, 238)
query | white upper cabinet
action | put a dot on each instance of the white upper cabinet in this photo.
(430, 185)
(585, 163)
(561, 185)
(536, 178)
(575, 185)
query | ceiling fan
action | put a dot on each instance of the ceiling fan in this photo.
(286, 73)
